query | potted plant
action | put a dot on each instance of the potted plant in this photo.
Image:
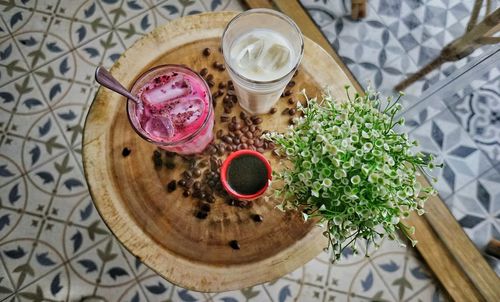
(351, 170)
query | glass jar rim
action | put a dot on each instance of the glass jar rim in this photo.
(184, 139)
(275, 14)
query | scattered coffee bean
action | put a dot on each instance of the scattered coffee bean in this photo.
(170, 165)
(287, 93)
(243, 115)
(203, 72)
(291, 121)
(257, 218)
(219, 132)
(207, 52)
(227, 110)
(296, 73)
(196, 172)
(292, 111)
(186, 175)
(291, 84)
(126, 152)
(211, 83)
(201, 214)
(258, 121)
(205, 207)
(260, 150)
(234, 244)
(186, 193)
(273, 110)
(291, 101)
(172, 186)
(222, 85)
(227, 139)
(197, 185)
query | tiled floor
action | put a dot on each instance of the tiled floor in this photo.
(54, 245)
(461, 129)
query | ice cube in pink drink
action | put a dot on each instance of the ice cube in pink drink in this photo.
(159, 126)
(186, 111)
(174, 87)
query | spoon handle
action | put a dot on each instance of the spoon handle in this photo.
(105, 78)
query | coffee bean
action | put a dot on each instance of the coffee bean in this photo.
(211, 150)
(292, 111)
(238, 133)
(210, 198)
(243, 115)
(231, 92)
(201, 214)
(221, 151)
(252, 128)
(244, 204)
(272, 145)
(219, 132)
(172, 186)
(291, 84)
(291, 101)
(244, 139)
(211, 183)
(230, 148)
(260, 150)
(237, 140)
(126, 152)
(213, 163)
(215, 64)
(257, 218)
(237, 126)
(207, 52)
(285, 111)
(189, 182)
(186, 175)
(196, 172)
(249, 134)
(205, 207)
(245, 129)
(244, 146)
(197, 185)
(186, 193)
(211, 83)
(181, 182)
(257, 121)
(234, 244)
(227, 110)
(258, 143)
(291, 121)
(227, 139)
(251, 142)
(230, 82)
(273, 110)
(222, 85)
(248, 121)
(203, 72)
(257, 133)
(287, 93)
(296, 73)
(252, 148)
(170, 165)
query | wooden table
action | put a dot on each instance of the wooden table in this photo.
(159, 227)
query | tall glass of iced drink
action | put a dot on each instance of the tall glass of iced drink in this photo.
(262, 48)
(175, 111)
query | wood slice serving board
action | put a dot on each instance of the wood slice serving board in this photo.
(160, 227)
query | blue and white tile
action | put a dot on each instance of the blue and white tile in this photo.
(449, 143)
(479, 114)
(477, 208)
(325, 12)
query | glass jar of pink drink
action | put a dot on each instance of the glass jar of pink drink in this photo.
(176, 111)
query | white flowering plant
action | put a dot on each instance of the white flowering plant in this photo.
(351, 170)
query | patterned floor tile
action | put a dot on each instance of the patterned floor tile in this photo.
(447, 141)
(479, 114)
(477, 208)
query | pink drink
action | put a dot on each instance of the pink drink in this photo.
(176, 111)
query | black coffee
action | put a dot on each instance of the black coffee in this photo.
(247, 174)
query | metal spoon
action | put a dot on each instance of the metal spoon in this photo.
(103, 77)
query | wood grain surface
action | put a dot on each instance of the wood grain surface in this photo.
(160, 227)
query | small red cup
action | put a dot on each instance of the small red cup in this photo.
(227, 163)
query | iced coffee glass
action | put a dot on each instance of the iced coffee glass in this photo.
(262, 49)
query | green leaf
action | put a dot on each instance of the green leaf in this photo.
(63, 167)
(94, 229)
(130, 31)
(23, 88)
(403, 284)
(106, 255)
(249, 293)
(96, 24)
(51, 144)
(12, 67)
(108, 43)
(46, 75)
(36, 55)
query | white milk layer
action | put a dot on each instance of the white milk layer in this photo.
(262, 55)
